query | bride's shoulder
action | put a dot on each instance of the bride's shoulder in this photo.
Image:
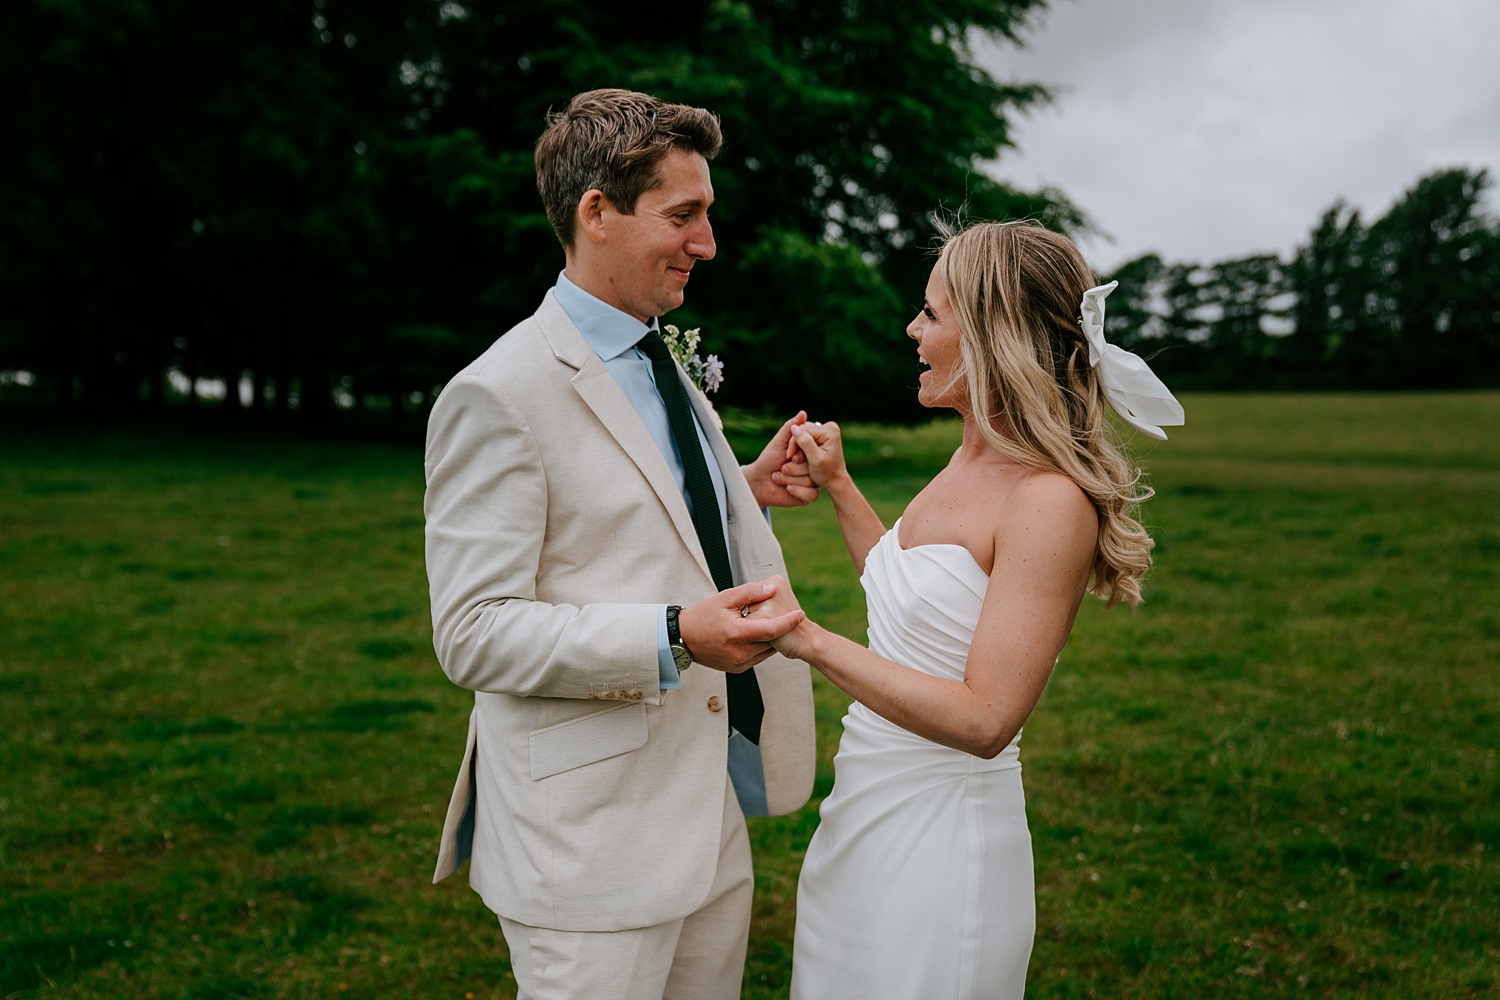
(1054, 487)
(1048, 500)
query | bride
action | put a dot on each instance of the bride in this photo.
(918, 882)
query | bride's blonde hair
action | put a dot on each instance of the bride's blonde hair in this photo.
(1016, 289)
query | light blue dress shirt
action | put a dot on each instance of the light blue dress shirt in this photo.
(613, 336)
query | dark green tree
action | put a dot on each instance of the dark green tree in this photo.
(1134, 309)
(1328, 284)
(1250, 307)
(1411, 301)
(846, 129)
(1431, 264)
(323, 198)
(194, 192)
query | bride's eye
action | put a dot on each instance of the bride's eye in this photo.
(927, 311)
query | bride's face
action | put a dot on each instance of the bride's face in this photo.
(935, 329)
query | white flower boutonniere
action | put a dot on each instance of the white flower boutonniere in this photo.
(707, 373)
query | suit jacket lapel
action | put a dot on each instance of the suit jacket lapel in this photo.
(603, 395)
(736, 491)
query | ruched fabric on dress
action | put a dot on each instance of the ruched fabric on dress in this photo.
(918, 881)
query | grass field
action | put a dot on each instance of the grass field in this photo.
(225, 745)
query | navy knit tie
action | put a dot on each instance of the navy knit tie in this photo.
(745, 706)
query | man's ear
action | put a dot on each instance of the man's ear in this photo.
(591, 209)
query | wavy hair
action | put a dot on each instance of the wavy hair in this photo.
(613, 140)
(1016, 289)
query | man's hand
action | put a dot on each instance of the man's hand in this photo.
(794, 642)
(779, 476)
(719, 635)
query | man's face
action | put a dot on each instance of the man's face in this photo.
(645, 257)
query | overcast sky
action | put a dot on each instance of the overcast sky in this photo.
(1205, 130)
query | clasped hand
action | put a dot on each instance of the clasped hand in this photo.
(767, 617)
(817, 450)
(782, 606)
(779, 476)
(801, 457)
(723, 635)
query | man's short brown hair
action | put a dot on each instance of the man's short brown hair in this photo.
(612, 140)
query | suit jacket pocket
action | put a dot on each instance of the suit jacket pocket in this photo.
(591, 738)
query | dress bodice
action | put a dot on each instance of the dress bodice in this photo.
(923, 603)
(918, 881)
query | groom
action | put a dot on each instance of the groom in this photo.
(591, 543)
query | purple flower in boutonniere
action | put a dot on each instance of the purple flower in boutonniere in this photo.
(706, 375)
(713, 373)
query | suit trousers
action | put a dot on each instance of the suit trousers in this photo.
(698, 957)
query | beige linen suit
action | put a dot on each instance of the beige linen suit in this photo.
(592, 800)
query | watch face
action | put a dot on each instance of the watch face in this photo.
(682, 657)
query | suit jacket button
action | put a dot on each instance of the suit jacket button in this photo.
(716, 704)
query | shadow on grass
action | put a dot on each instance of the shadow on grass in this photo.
(291, 824)
(33, 963)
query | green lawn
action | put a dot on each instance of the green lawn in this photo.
(225, 745)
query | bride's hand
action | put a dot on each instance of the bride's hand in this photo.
(774, 478)
(784, 600)
(822, 447)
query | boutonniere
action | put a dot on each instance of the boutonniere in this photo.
(707, 373)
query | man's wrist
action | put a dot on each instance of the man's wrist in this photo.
(681, 654)
(755, 483)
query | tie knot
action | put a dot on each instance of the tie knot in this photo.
(653, 346)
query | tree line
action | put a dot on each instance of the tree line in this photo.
(330, 204)
(1409, 301)
(326, 201)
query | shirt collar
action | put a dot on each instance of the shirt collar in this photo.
(607, 330)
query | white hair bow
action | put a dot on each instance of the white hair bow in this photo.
(1130, 386)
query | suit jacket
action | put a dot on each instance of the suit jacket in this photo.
(590, 798)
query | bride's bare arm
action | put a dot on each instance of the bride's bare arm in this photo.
(823, 448)
(1043, 554)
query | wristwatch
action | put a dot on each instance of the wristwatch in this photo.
(680, 654)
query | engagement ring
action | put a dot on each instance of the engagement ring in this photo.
(745, 611)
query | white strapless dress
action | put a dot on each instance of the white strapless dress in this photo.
(918, 883)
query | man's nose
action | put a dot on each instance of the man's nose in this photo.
(701, 244)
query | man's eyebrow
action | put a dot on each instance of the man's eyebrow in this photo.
(687, 203)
